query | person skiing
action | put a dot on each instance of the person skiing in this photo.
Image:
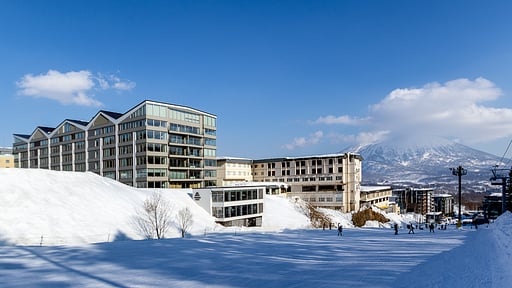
(411, 228)
(396, 229)
(431, 226)
(340, 230)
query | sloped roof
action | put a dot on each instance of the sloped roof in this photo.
(79, 122)
(114, 115)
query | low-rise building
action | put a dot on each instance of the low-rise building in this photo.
(233, 206)
(492, 205)
(6, 158)
(377, 196)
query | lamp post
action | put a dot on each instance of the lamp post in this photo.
(459, 171)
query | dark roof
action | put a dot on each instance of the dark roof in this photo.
(22, 136)
(79, 122)
(46, 129)
(114, 115)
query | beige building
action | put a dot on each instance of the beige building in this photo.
(232, 170)
(330, 181)
(6, 161)
(377, 196)
(6, 158)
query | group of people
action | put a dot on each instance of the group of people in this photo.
(410, 226)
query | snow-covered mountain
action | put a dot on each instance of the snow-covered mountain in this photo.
(426, 162)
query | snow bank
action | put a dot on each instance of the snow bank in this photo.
(283, 213)
(54, 207)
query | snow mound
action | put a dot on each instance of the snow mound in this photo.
(283, 213)
(70, 208)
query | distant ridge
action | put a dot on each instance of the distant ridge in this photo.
(408, 161)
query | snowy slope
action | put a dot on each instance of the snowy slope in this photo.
(75, 207)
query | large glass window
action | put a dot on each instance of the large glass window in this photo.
(217, 196)
(184, 116)
(209, 152)
(210, 121)
(156, 110)
(159, 135)
(184, 128)
(210, 142)
(156, 123)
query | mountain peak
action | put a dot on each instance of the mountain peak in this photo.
(423, 161)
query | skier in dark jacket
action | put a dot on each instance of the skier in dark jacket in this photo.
(340, 230)
(431, 226)
(396, 229)
(411, 228)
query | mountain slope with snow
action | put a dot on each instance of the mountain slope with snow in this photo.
(406, 160)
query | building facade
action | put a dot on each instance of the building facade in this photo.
(415, 200)
(233, 170)
(152, 145)
(378, 196)
(6, 158)
(329, 181)
(444, 203)
(233, 206)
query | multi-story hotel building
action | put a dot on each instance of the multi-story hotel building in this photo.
(328, 181)
(153, 145)
(415, 200)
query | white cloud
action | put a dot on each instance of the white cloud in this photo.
(305, 141)
(453, 110)
(70, 87)
(344, 119)
(113, 82)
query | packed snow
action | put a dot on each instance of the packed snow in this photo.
(68, 229)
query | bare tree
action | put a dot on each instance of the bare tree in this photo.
(154, 219)
(184, 221)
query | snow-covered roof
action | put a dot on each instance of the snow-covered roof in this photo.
(310, 157)
(374, 188)
(253, 183)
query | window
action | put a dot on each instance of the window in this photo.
(126, 137)
(109, 140)
(217, 196)
(156, 135)
(125, 174)
(210, 132)
(210, 121)
(156, 123)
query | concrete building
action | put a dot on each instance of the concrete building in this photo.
(416, 200)
(232, 170)
(153, 145)
(329, 181)
(444, 203)
(233, 206)
(378, 196)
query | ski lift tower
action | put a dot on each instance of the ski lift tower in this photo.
(459, 171)
(503, 175)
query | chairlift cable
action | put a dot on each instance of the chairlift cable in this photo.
(504, 154)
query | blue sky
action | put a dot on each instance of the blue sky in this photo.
(285, 78)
